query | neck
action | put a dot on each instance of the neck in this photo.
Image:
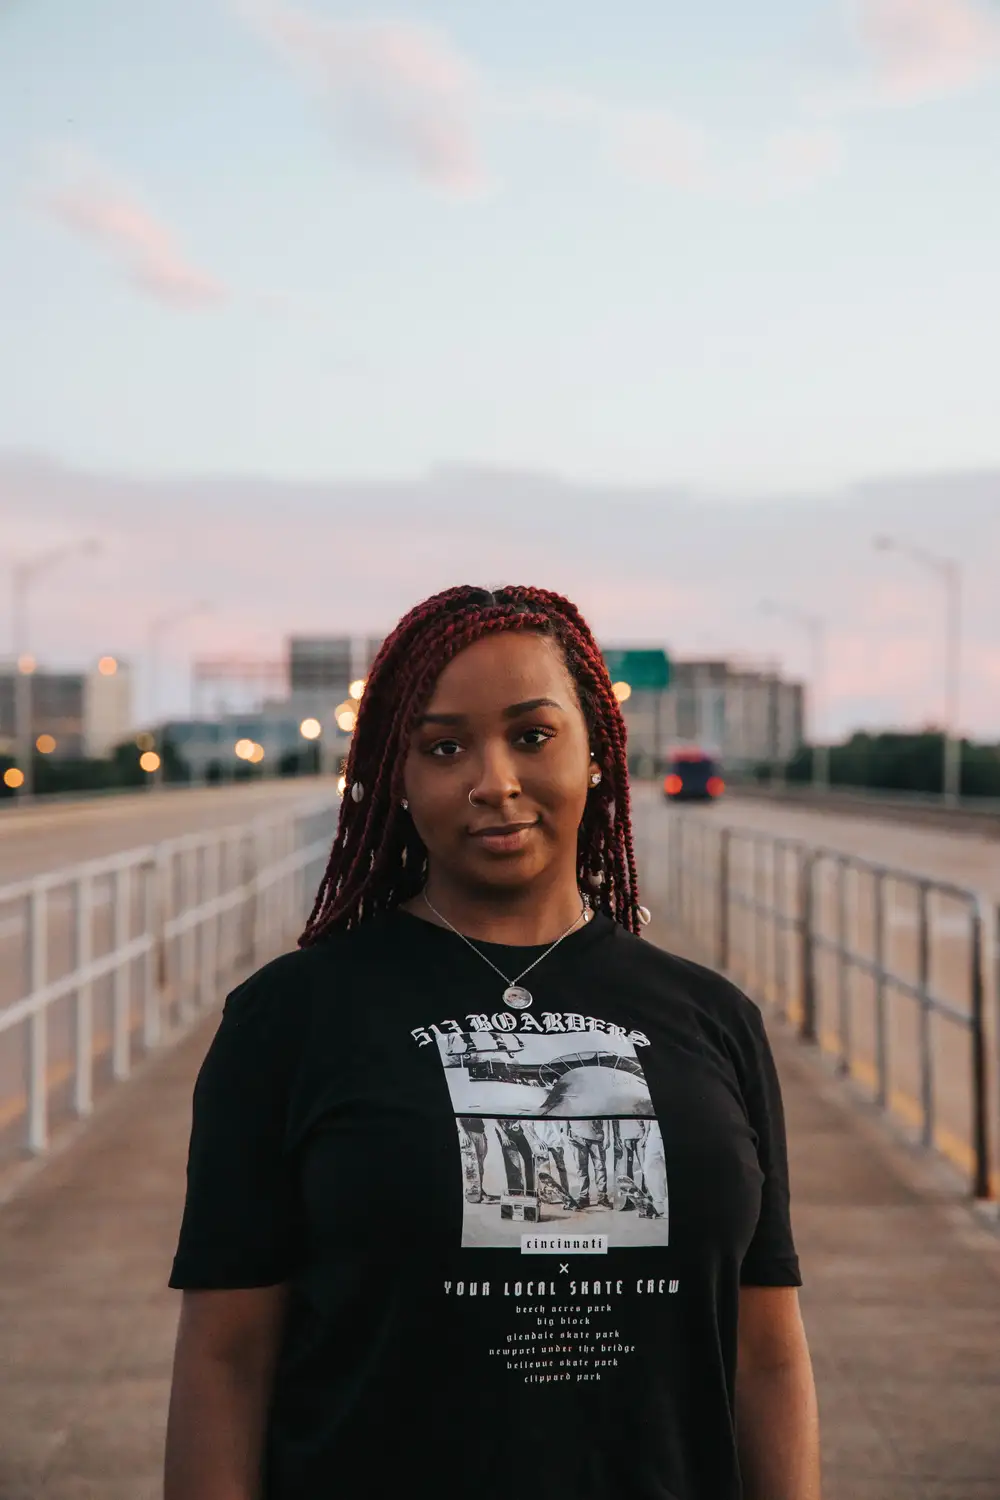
(519, 918)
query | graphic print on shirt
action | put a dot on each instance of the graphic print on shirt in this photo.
(561, 1152)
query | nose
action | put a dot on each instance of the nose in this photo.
(497, 781)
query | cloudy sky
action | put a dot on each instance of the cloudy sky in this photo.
(311, 308)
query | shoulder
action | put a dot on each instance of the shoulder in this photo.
(285, 989)
(717, 999)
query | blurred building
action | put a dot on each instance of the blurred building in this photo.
(267, 702)
(366, 649)
(312, 676)
(207, 747)
(747, 713)
(73, 714)
(108, 707)
(320, 665)
(57, 711)
(232, 684)
(322, 668)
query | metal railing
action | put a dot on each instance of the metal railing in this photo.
(884, 970)
(105, 961)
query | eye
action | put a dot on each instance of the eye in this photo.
(445, 749)
(541, 733)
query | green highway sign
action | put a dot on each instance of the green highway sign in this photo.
(641, 669)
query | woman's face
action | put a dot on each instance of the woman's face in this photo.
(504, 723)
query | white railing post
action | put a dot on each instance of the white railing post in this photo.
(147, 895)
(83, 1087)
(231, 916)
(157, 897)
(186, 941)
(210, 924)
(38, 1024)
(121, 1029)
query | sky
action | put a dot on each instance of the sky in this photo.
(282, 285)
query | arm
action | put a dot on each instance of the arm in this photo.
(227, 1345)
(777, 1425)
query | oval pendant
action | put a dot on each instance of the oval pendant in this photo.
(517, 998)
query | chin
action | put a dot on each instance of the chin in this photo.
(506, 874)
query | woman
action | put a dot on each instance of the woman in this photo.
(354, 1321)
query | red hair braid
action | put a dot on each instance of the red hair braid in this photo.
(378, 860)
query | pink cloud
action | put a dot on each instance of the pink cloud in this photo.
(147, 247)
(403, 94)
(916, 49)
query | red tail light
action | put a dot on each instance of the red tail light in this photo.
(716, 786)
(672, 785)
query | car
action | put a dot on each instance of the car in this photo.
(693, 776)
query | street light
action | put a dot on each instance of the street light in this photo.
(155, 631)
(24, 575)
(346, 716)
(950, 573)
(815, 626)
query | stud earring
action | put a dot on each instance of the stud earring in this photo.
(357, 792)
(405, 805)
(595, 778)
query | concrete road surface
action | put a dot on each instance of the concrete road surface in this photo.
(50, 834)
(965, 858)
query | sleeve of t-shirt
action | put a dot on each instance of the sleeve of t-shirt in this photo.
(771, 1258)
(239, 1223)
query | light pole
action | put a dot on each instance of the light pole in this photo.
(815, 627)
(950, 573)
(24, 575)
(156, 630)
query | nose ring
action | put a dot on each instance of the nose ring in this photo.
(471, 803)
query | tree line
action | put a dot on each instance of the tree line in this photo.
(899, 763)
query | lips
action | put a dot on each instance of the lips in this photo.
(503, 838)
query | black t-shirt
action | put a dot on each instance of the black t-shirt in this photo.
(514, 1239)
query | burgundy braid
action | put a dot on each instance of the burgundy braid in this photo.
(378, 860)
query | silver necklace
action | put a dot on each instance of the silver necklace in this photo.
(514, 995)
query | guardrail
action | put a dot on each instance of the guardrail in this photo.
(105, 961)
(882, 969)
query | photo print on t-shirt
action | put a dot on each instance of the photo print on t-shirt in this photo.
(561, 1152)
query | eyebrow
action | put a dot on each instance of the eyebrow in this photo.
(515, 709)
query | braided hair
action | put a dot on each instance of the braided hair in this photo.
(378, 860)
